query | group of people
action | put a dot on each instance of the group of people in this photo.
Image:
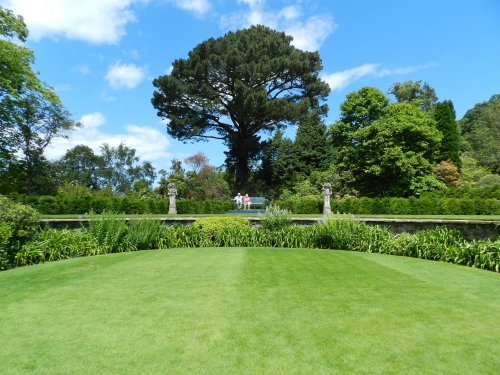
(242, 201)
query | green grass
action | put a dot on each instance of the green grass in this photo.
(220, 311)
(447, 217)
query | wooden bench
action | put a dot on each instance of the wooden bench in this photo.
(258, 202)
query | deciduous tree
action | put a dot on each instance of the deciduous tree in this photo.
(481, 129)
(415, 92)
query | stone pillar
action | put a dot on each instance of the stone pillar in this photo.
(327, 193)
(172, 193)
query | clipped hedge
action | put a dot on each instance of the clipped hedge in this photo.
(396, 206)
(60, 205)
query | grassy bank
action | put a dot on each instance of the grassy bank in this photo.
(248, 311)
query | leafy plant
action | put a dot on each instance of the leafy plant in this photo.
(435, 244)
(111, 234)
(145, 234)
(346, 234)
(51, 244)
(275, 218)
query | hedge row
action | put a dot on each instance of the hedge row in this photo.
(396, 206)
(56, 205)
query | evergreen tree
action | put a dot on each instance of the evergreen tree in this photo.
(444, 114)
(236, 88)
(311, 147)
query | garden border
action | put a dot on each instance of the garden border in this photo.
(471, 229)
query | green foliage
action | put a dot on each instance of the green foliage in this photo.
(444, 115)
(121, 168)
(214, 227)
(49, 245)
(340, 233)
(201, 181)
(18, 223)
(111, 235)
(386, 149)
(394, 154)
(145, 234)
(12, 26)
(302, 205)
(275, 218)
(363, 107)
(80, 166)
(16, 75)
(187, 206)
(99, 203)
(435, 244)
(5, 237)
(311, 149)
(277, 165)
(416, 93)
(249, 81)
(480, 127)
(69, 189)
(466, 192)
(345, 234)
(183, 236)
(484, 254)
(482, 202)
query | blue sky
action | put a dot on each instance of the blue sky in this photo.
(102, 55)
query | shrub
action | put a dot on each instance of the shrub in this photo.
(19, 223)
(5, 236)
(214, 227)
(275, 218)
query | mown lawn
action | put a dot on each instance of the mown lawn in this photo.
(253, 311)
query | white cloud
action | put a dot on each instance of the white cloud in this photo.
(93, 120)
(339, 80)
(404, 70)
(125, 76)
(94, 21)
(197, 7)
(151, 144)
(308, 33)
